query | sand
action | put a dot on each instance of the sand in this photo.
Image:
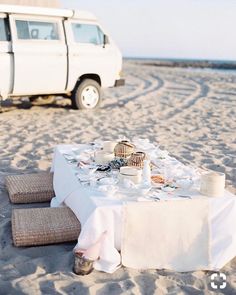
(189, 112)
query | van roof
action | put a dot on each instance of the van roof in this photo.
(69, 13)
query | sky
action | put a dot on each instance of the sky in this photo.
(188, 29)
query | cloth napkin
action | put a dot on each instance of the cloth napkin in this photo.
(180, 242)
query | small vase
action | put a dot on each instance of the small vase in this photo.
(146, 175)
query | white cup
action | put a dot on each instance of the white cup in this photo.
(108, 146)
(103, 158)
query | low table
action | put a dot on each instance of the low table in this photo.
(100, 214)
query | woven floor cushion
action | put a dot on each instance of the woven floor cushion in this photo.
(30, 188)
(42, 226)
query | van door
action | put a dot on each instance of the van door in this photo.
(6, 58)
(40, 55)
(87, 53)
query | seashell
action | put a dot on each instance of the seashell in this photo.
(124, 149)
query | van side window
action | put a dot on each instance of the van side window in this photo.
(85, 33)
(4, 30)
(36, 30)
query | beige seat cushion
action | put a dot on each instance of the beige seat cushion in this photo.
(30, 188)
(41, 226)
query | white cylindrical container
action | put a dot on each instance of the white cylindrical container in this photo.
(133, 174)
(103, 158)
(109, 146)
(212, 184)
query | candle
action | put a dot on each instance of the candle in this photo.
(213, 184)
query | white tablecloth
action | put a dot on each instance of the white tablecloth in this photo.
(99, 214)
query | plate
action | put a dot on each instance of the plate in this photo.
(184, 183)
(168, 188)
(157, 185)
(107, 180)
(137, 191)
(157, 180)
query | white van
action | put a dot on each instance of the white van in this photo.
(46, 51)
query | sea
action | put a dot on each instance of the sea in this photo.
(221, 65)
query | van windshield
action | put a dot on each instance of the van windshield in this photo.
(86, 33)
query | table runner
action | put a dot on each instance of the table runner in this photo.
(158, 241)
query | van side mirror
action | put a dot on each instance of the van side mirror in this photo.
(105, 40)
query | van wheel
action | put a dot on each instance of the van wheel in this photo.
(87, 95)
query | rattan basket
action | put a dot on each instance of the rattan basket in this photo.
(136, 159)
(124, 149)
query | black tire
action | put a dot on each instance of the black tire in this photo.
(78, 98)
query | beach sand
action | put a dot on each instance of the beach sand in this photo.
(189, 112)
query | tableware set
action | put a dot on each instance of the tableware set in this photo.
(134, 173)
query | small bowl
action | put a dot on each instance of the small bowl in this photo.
(168, 188)
(131, 171)
(184, 183)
